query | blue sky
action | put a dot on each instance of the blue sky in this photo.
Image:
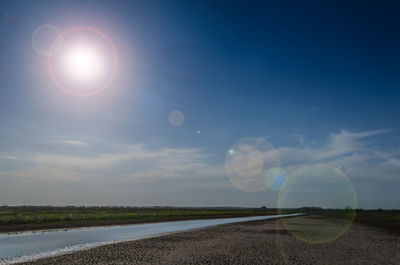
(317, 80)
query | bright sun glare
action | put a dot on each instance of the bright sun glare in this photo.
(83, 63)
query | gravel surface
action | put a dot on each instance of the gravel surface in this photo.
(259, 242)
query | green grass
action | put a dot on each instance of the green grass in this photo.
(32, 215)
(389, 219)
(317, 228)
(325, 225)
(382, 215)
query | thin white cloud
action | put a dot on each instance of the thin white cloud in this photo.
(349, 152)
(8, 157)
(67, 142)
(346, 142)
(130, 163)
(138, 164)
(75, 142)
(129, 153)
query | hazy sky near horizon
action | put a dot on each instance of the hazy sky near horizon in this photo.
(319, 81)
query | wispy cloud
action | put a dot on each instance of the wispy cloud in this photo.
(75, 142)
(348, 151)
(66, 142)
(127, 153)
(136, 163)
(8, 157)
(129, 163)
(346, 142)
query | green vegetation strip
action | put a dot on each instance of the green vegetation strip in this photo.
(31, 215)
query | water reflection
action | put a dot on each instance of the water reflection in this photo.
(41, 244)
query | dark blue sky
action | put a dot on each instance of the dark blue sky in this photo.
(311, 77)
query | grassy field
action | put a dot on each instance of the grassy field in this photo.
(16, 218)
(40, 217)
(388, 219)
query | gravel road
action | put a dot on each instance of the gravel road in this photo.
(259, 242)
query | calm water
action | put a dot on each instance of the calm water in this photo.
(31, 245)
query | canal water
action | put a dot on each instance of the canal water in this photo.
(18, 247)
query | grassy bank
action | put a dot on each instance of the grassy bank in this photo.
(34, 217)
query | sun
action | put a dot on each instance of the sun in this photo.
(83, 63)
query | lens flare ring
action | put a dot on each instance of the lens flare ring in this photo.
(276, 178)
(248, 160)
(42, 39)
(176, 118)
(313, 185)
(52, 53)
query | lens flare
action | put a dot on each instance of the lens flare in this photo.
(319, 186)
(43, 37)
(176, 118)
(248, 160)
(276, 178)
(86, 64)
(83, 63)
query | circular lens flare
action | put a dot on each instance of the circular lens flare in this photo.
(248, 160)
(276, 178)
(43, 37)
(86, 64)
(176, 118)
(322, 189)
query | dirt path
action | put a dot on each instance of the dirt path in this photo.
(260, 242)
